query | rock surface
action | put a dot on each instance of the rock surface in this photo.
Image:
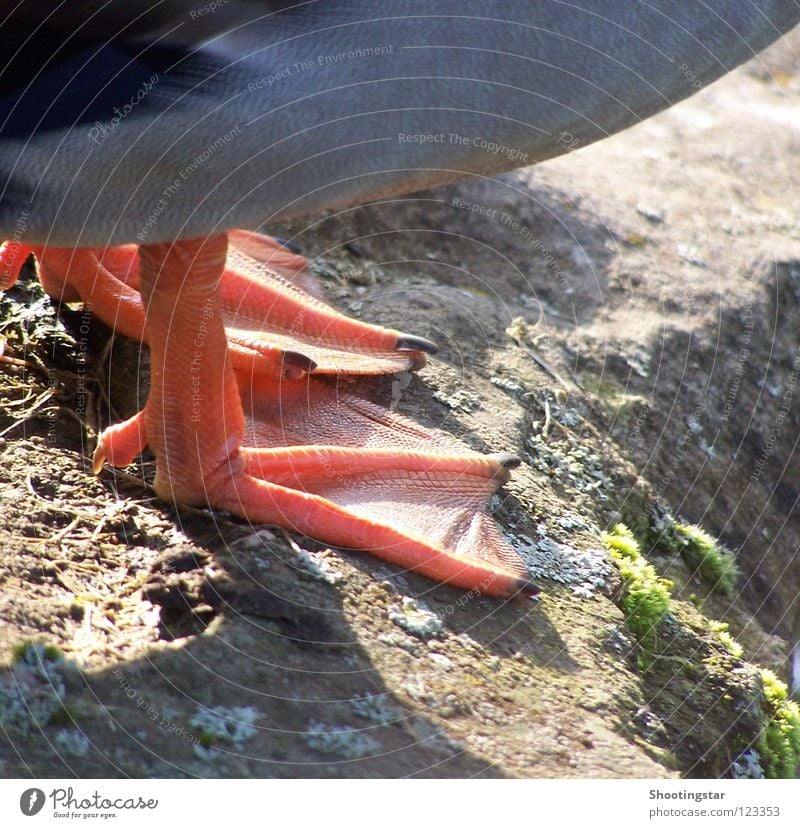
(625, 318)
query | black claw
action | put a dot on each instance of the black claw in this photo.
(506, 460)
(290, 246)
(416, 343)
(293, 359)
(527, 588)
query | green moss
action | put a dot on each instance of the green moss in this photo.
(779, 742)
(645, 601)
(18, 651)
(645, 596)
(702, 553)
(206, 739)
(23, 649)
(52, 653)
(77, 610)
(729, 642)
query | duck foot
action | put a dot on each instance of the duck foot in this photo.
(244, 440)
(276, 321)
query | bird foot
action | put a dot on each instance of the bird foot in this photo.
(280, 446)
(276, 321)
(422, 508)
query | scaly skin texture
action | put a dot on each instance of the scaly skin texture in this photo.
(412, 500)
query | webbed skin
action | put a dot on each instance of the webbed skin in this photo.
(133, 159)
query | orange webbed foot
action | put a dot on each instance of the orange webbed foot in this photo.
(276, 321)
(307, 456)
(268, 299)
(409, 495)
(389, 474)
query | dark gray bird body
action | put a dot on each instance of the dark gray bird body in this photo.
(150, 126)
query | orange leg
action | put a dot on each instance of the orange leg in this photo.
(276, 325)
(374, 490)
(100, 278)
(195, 424)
